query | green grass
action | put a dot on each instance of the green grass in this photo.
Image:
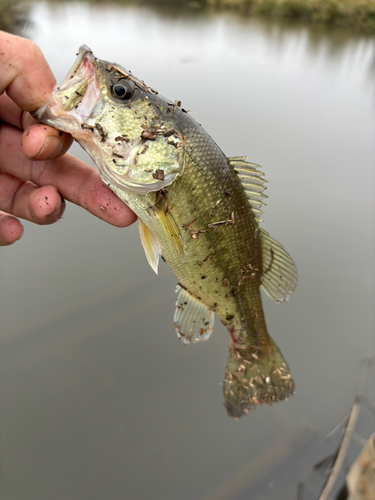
(357, 13)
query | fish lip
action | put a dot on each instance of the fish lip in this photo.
(86, 58)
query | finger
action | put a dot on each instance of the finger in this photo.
(25, 74)
(13, 114)
(41, 142)
(10, 112)
(75, 180)
(27, 120)
(11, 229)
(42, 205)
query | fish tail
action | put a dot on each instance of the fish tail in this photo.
(255, 376)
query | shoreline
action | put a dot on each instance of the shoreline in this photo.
(358, 14)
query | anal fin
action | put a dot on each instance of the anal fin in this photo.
(193, 321)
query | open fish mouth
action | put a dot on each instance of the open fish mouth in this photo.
(76, 98)
(82, 67)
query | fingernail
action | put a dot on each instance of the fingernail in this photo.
(52, 147)
(59, 210)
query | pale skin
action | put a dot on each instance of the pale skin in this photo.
(36, 172)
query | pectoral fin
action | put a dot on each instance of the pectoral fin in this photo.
(150, 245)
(171, 230)
(279, 278)
(193, 321)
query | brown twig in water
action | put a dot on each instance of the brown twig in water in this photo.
(349, 429)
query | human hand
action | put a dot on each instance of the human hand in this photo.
(36, 173)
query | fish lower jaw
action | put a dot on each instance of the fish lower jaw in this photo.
(72, 122)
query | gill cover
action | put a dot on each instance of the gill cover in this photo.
(143, 165)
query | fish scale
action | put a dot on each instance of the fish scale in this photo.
(232, 246)
(197, 209)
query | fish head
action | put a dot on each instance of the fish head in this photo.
(126, 127)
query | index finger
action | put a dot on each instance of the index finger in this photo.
(24, 72)
(73, 179)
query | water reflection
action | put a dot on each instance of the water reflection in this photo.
(93, 378)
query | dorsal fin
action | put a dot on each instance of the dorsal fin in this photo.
(279, 273)
(150, 245)
(252, 182)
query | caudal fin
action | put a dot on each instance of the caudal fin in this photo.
(255, 377)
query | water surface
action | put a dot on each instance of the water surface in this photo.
(99, 398)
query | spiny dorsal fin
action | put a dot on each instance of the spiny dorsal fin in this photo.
(193, 321)
(171, 229)
(279, 278)
(150, 245)
(252, 182)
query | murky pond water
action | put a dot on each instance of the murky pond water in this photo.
(98, 397)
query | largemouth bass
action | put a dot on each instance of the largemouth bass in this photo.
(197, 209)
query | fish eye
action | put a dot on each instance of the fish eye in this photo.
(122, 90)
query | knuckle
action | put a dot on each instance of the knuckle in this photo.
(32, 50)
(37, 169)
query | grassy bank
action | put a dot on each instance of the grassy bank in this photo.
(357, 13)
(13, 16)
